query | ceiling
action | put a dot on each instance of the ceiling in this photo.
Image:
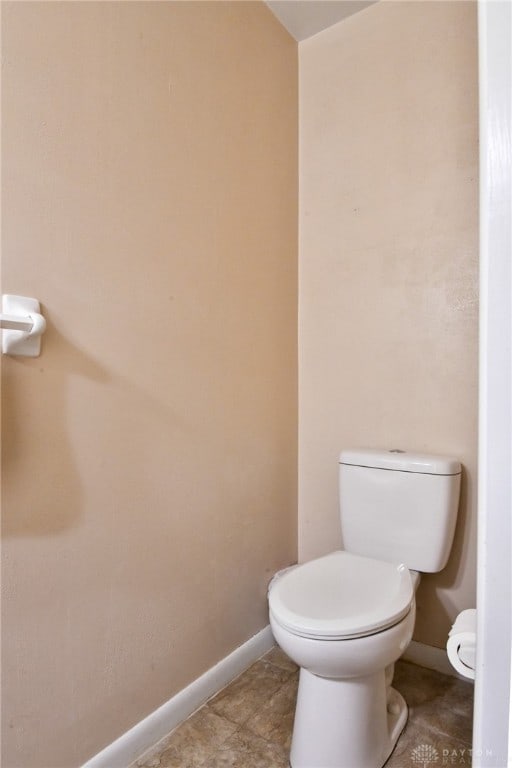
(303, 18)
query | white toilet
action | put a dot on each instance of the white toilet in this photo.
(345, 618)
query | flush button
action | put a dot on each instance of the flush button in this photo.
(396, 450)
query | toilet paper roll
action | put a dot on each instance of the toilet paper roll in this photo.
(461, 645)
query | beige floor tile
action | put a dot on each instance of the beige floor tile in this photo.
(187, 756)
(192, 742)
(274, 721)
(249, 692)
(279, 658)
(420, 746)
(246, 750)
(441, 702)
(419, 685)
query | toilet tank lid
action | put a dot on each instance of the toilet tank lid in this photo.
(401, 461)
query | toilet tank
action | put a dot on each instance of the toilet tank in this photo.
(399, 506)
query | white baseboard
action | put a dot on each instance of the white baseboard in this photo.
(128, 747)
(430, 657)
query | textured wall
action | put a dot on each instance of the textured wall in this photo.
(388, 263)
(149, 454)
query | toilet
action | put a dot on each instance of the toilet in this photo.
(346, 617)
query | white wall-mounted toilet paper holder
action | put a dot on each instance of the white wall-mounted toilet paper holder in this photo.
(22, 325)
(461, 644)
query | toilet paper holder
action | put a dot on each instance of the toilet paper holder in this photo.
(461, 644)
(22, 326)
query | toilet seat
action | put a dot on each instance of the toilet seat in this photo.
(342, 596)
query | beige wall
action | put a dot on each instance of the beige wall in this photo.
(149, 185)
(149, 483)
(388, 263)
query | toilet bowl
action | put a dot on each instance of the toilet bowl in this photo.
(345, 620)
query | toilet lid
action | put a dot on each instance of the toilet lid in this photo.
(342, 595)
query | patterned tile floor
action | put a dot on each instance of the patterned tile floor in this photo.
(249, 723)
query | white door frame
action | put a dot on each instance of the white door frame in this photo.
(492, 732)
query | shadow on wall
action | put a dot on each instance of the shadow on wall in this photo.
(450, 577)
(37, 457)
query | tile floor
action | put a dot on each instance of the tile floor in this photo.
(249, 723)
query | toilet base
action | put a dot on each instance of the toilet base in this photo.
(349, 723)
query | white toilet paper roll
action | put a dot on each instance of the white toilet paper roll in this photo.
(461, 645)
